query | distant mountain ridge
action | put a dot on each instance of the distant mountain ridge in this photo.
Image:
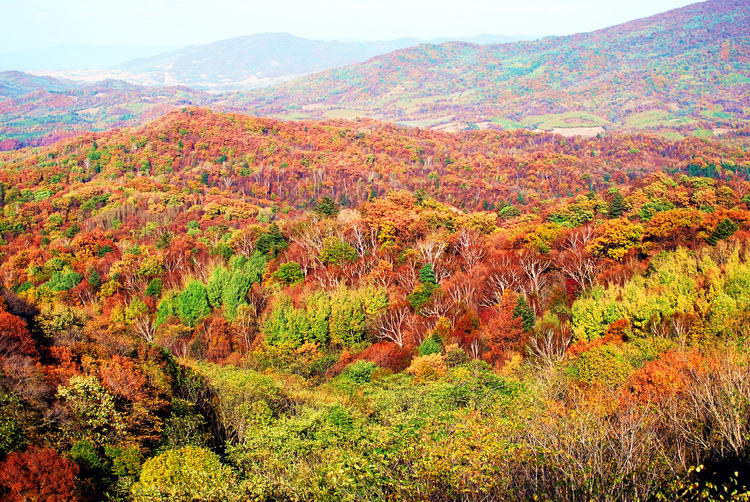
(257, 60)
(678, 70)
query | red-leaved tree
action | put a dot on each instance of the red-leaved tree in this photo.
(38, 474)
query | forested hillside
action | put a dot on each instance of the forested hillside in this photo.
(679, 72)
(219, 307)
(40, 110)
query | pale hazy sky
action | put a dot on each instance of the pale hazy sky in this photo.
(43, 23)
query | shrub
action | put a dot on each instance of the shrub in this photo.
(427, 274)
(428, 368)
(191, 305)
(64, 280)
(336, 252)
(326, 206)
(154, 288)
(455, 355)
(421, 295)
(430, 345)
(289, 273)
(271, 241)
(605, 365)
(189, 473)
(508, 212)
(360, 371)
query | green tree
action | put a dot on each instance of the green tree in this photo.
(430, 345)
(289, 273)
(724, 229)
(95, 280)
(523, 311)
(326, 206)
(427, 274)
(271, 242)
(215, 286)
(335, 251)
(191, 305)
(616, 206)
(508, 212)
(154, 287)
(93, 414)
(64, 280)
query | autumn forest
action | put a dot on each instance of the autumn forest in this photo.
(215, 306)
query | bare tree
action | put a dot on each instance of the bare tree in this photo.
(431, 250)
(440, 306)
(535, 267)
(548, 347)
(579, 265)
(145, 327)
(579, 238)
(408, 278)
(364, 239)
(470, 247)
(463, 293)
(390, 325)
(505, 277)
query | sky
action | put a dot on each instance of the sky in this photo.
(28, 24)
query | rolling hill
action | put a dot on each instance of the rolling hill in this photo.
(40, 110)
(683, 70)
(15, 83)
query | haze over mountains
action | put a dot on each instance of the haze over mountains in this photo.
(40, 110)
(73, 57)
(247, 62)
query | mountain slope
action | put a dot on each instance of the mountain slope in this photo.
(677, 70)
(259, 60)
(40, 110)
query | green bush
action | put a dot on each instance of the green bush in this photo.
(289, 273)
(359, 372)
(189, 473)
(64, 280)
(336, 252)
(154, 287)
(191, 305)
(271, 242)
(430, 345)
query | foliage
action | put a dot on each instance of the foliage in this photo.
(289, 273)
(326, 206)
(188, 473)
(428, 367)
(359, 372)
(38, 474)
(430, 345)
